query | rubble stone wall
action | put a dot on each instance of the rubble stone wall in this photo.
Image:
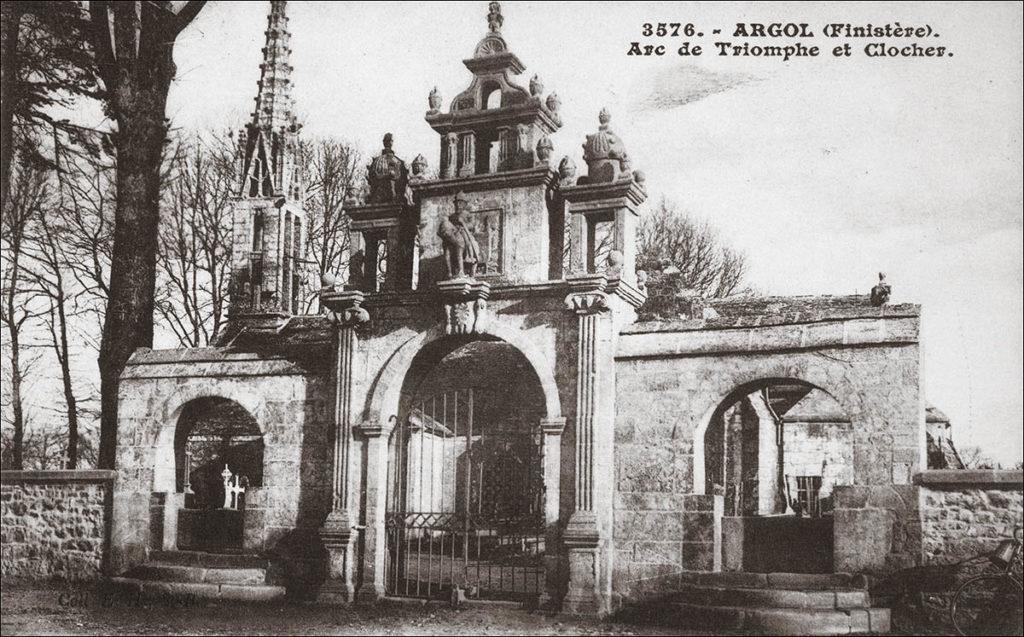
(966, 513)
(54, 523)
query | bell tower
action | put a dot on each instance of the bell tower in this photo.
(268, 219)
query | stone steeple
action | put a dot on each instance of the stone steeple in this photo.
(268, 145)
(267, 247)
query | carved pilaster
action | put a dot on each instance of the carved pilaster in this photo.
(465, 305)
(551, 430)
(583, 540)
(376, 434)
(336, 534)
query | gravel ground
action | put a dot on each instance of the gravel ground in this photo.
(58, 609)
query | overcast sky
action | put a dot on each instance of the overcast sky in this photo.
(823, 170)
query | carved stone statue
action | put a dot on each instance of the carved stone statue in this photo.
(434, 100)
(461, 251)
(880, 293)
(419, 167)
(451, 155)
(388, 177)
(553, 102)
(567, 171)
(494, 17)
(536, 86)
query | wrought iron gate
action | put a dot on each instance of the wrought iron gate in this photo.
(466, 503)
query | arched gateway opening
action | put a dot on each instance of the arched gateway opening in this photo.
(218, 453)
(466, 478)
(775, 449)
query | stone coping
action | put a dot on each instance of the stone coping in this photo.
(11, 476)
(960, 478)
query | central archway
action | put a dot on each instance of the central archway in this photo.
(466, 483)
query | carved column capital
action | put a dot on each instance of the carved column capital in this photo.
(377, 429)
(552, 426)
(465, 305)
(345, 307)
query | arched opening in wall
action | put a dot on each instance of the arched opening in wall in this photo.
(218, 452)
(466, 478)
(776, 449)
(490, 95)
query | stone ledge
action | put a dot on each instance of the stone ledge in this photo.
(959, 478)
(10, 476)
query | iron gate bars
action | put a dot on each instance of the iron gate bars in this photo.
(466, 502)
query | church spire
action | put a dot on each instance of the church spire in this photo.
(274, 98)
(268, 145)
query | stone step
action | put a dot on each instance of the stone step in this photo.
(209, 560)
(169, 572)
(133, 588)
(773, 597)
(785, 581)
(778, 621)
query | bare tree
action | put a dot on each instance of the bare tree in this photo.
(195, 240)
(672, 241)
(977, 458)
(332, 169)
(44, 64)
(133, 44)
(28, 192)
(49, 271)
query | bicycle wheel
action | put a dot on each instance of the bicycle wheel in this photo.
(988, 605)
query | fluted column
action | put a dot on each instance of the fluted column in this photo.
(585, 535)
(337, 531)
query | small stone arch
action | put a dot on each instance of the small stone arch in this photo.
(739, 386)
(165, 471)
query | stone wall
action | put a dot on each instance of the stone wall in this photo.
(672, 376)
(54, 523)
(966, 513)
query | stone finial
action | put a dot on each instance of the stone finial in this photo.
(544, 149)
(880, 293)
(419, 166)
(615, 261)
(494, 17)
(328, 280)
(434, 100)
(567, 171)
(536, 86)
(605, 153)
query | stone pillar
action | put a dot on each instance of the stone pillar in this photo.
(586, 536)
(377, 434)
(336, 533)
(551, 432)
(172, 503)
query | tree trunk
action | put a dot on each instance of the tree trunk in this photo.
(8, 81)
(64, 357)
(137, 83)
(13, 334)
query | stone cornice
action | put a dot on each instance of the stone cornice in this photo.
(584, 197)
(541, 175)
(966, 479)
(470, 119)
